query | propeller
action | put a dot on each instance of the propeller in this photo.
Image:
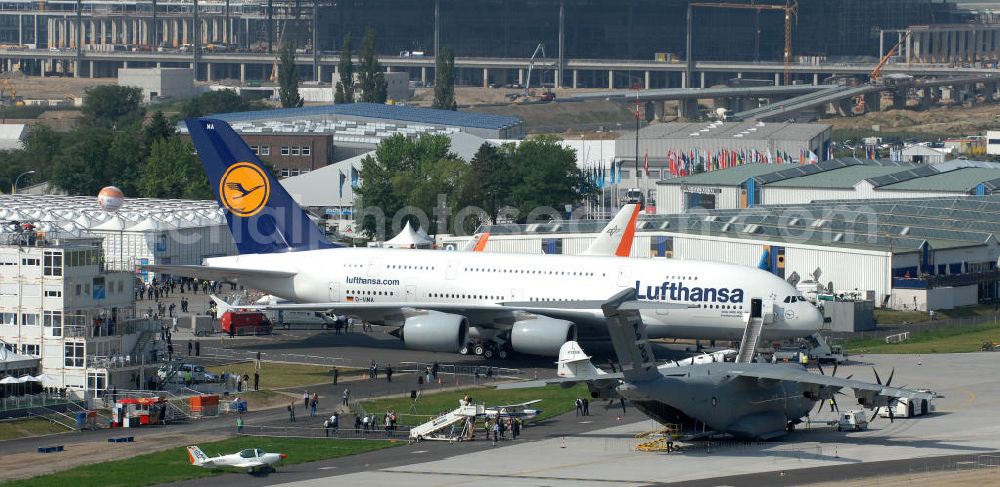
(892, 416)
(833, 400)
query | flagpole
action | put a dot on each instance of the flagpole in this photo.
(637, 135)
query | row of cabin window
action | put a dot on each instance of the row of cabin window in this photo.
(370, 293)
(527, 271)
(464, 296)
(412, 267)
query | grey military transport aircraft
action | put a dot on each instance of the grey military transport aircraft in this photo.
(745, 400)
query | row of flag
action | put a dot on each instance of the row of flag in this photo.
(681, 163)
(355, 179)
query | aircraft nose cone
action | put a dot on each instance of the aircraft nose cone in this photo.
(810, 318)
(284, 456)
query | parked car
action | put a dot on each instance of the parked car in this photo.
(198, 373)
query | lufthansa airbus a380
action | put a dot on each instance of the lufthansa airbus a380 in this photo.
(440, 299)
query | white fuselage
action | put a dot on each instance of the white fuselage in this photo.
(718, 296)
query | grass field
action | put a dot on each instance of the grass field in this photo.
(555, 401)
(894, 317)
(23, 428)
(280, 375)
(951, 339)
(173, 465)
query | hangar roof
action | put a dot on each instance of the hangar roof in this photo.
(730, 177)
(428, 116)
(959, 180)
(885, 225)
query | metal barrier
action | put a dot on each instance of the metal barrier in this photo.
(32, 401)
(349, 433)
(461, 369)
(239, 355)
(899, 337)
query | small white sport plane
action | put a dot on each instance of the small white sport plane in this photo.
(514, 410)
(252, 459)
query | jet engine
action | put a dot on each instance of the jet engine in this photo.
(435, 332)
(541, 335)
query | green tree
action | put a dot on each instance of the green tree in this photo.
(490, 187)
(125, 156)
(288, 78)
(374, 88)
(410, 172)
(157, 128)
(216, 101)
(79, 166)
(444, 81)
(112, 106)
(345, 87)
(545, 174)
(173, 171)
(14, 164)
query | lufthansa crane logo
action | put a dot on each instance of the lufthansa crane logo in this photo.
(244, 189)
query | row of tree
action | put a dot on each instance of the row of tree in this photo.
(115, 143)
(371, 84)
(421, 176)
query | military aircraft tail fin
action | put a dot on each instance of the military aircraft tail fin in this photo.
(573, 362)
(628, 336)
(196, 456)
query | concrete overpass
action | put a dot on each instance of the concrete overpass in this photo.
(791, 107)
(583, 72)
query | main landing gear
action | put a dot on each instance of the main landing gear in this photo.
(487, 349)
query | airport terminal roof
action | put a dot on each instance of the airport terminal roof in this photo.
(80, 216)
(419, 115)
(896, 225)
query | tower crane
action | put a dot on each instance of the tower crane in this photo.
(790, 8)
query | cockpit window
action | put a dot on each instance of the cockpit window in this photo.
(247, 454)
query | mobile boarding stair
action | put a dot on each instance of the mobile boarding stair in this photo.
(455, 425)
(760, 313)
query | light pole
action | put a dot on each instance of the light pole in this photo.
(13, 189)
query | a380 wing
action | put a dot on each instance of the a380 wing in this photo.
(874, 395)
(575, 311)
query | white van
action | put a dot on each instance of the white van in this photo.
(284, 318)
(854, 420)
